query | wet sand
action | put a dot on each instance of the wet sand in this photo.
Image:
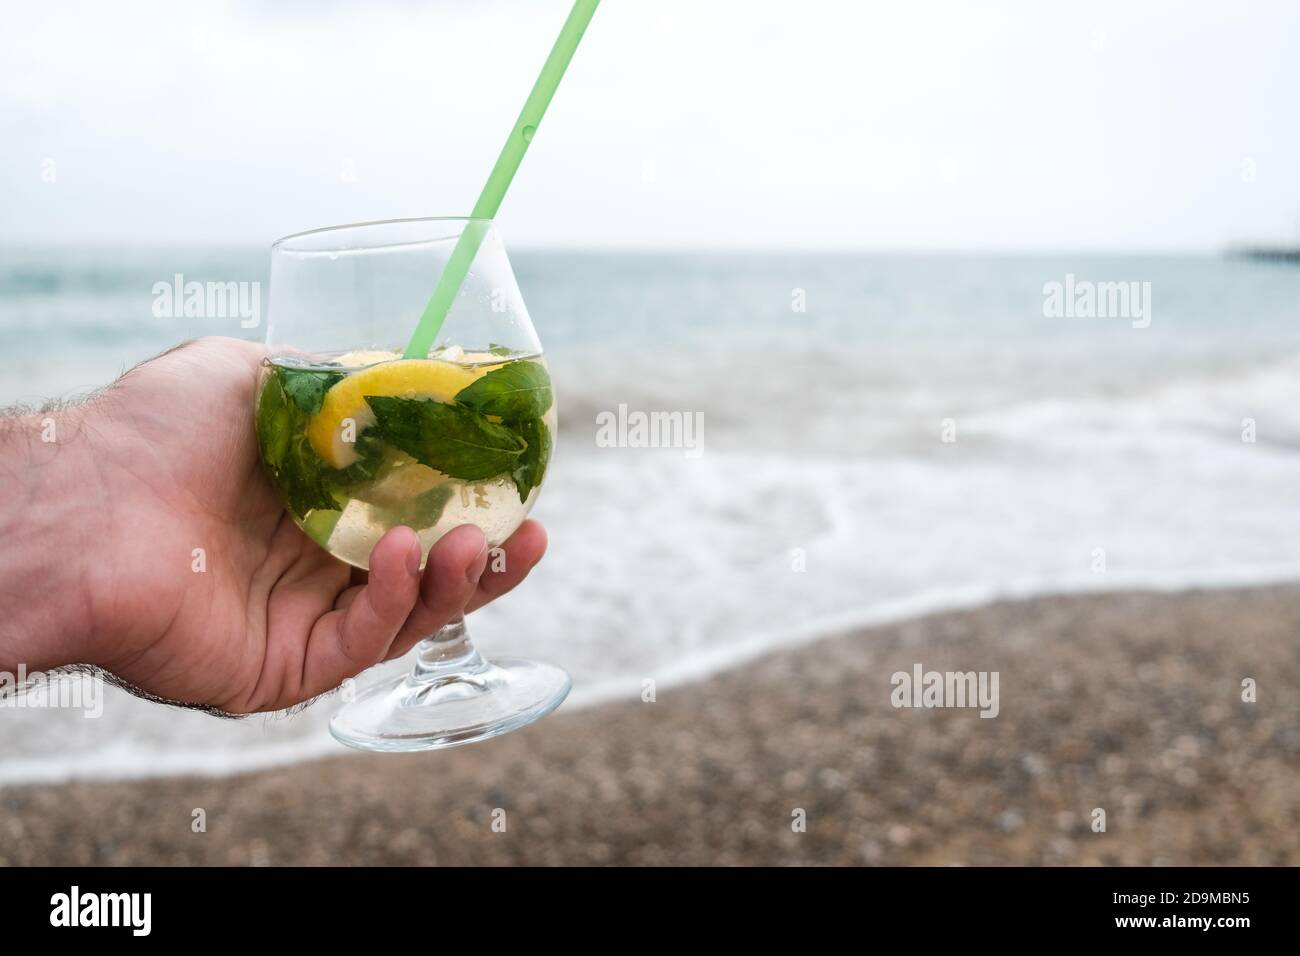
(1130, 703)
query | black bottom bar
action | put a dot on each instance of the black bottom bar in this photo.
(215, 904)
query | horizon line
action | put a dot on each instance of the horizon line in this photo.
(1226, 248)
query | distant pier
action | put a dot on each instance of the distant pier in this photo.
(1289, 254)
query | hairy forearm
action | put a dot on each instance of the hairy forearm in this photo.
(49, 494)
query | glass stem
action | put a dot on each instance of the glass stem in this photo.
(447, 655)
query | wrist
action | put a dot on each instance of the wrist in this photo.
(50, 533)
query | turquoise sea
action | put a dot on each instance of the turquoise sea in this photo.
(883, 435)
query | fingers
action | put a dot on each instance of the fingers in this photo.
(347, 597)
(450, 577)
(504, 572)
(460, 576)
(346, 641)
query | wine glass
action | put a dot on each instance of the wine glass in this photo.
(359, 439)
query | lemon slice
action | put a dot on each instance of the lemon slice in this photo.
(345, 402)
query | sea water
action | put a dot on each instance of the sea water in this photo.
(882, 436)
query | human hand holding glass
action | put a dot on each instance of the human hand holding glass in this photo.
(169, 561)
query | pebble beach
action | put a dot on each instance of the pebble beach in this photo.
(1127, 703)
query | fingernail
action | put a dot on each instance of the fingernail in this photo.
(475, 569)
(413, 559)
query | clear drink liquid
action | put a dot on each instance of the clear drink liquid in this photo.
(370, 441)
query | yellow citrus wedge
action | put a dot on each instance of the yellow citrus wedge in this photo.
(346, 401)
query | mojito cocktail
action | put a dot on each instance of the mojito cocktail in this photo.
(359, 436)
(370, 440)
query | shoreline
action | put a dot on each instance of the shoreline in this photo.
(1125, 701)
(918, 606)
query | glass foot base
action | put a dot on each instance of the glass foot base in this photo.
(436, 709)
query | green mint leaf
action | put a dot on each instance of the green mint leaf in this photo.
(306, 386)
(274, 422)
(530, 470)
(302, 478)
(495, 349)
(448, 438)
(515, 392)
(303, 481)
(366, 467)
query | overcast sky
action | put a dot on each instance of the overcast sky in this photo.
(681, 123)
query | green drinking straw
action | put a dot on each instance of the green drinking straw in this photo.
(489, 200)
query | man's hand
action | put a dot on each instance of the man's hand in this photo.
(107, 518)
